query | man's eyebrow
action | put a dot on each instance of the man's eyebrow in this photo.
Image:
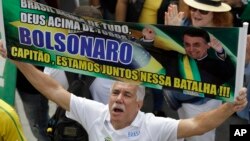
(129, 92)
(115, 89)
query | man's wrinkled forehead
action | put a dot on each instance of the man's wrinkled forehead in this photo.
(118, 85)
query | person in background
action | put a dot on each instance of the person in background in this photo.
(237, 10)
(11, 128)
(142, 11)
(200, 13)
(122, 119)
(107, 7)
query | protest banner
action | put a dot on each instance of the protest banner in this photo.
(46, 36)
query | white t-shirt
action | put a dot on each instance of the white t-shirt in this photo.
(95, 118)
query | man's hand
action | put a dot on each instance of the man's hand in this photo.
(148, 33)
(240, 101)
(215, 44)
(3, 51)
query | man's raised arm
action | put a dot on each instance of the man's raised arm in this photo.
(42, 82)
(207, 121)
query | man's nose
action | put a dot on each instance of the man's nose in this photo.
(119, 98)
(191, 48)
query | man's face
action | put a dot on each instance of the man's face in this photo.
(196, 47)
(123, 104)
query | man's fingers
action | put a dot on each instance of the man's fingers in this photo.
(243, 91)
(175, 10)
(241, 100)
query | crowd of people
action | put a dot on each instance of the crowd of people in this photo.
(114, 110)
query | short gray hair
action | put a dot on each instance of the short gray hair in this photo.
(140, 93)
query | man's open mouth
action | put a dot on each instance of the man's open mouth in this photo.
(118, 110)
